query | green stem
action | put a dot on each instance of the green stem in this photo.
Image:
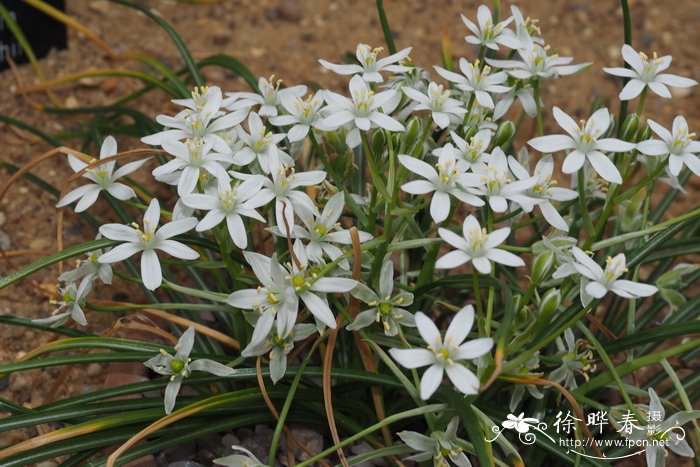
(627, 21)
(538, 105)
(582, 201)
(479, 305)
(388, 36)
(640, 103)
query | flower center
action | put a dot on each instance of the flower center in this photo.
(385, 308)
(177, 365)
(476, 238)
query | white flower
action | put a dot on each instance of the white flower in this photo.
(473, 154)
(282, 187)
(363, 111)
(445, 354)
(488, 34)
(302, 115)
(521, 423)
(661, 428)
(260, 144)
(603, 281)
(72, 300)
(270, 97)
(449, 179)
(247, 459)
(281, 289)
(323, 231)
(537, 63)
(678, 145)
(180, 366)
(386, 308)
(277, 346)
(525, 96)
(438, 446)
(203, 120)
(476, 80)
(369, 66)
(91, 267)
(584, 143)
(191, 159)
(230, 203)
(439, 102)
(647, 72)
(498, 186)
(543, 190)
(148, 240)
(575, 359)
(476, 246)
(103, 177)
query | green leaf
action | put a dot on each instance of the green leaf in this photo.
(55, 258)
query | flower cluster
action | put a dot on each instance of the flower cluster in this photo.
(274, 181)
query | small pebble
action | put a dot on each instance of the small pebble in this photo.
(94, 369)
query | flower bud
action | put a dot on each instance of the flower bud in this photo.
(504, 133)
(471, 131)
(644, 133)
(378, 142)
(548, 305)
(629, 127)
(541, 267)
(412, 132)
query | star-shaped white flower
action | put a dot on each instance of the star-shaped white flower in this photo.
(269, 99)
(180, 366)
(72, 301)
(498, 186)
(600, 282)
(472, 153)
(584, 142)
(322, 232)
(445, 355)
(148, 240)
(362, 112)
(477, 80)
(488, 34)
(450, 179)
(260, 144)
(301, 114)
(678, 144)
(369, 67)
(477, 246)
(647, 72)
(386, 307)
(439, 102)
(282, 187)
(192, 158)
(202, 119)
(230, 203)
(543, 190)
(669, 430)
(103, 178)
(535, 62)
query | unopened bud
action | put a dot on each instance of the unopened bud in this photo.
(412, 132)
(644, 133)
(541, 267)
(629, 127)
(504, 133)
(548, 305)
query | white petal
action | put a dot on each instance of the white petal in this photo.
(177, 249)
(430, 381)
(460, 326)
(635, 289)
(119, 253)
(151, 273)
(119, 232)
(452, 260)
(474, 349)
(504, 257)
(573, 162)
(604, 167)
(412, 358)
(632, 89)
(319, 308)
(427, 329)
(463, 379)
(483, 265)
(552, 143)
(596, 290)
(174, 228)
(440, 206)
